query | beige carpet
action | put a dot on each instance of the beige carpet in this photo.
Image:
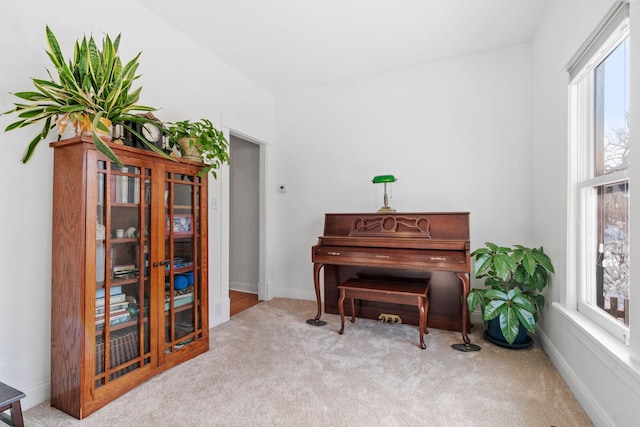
(267, 367)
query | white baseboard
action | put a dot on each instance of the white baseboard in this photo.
(36, 395)
(243, 287)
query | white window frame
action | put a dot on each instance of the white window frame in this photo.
(582, 237)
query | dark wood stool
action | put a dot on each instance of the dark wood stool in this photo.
(10, 399)
(395, 292)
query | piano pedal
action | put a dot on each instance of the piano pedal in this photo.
(390, 318)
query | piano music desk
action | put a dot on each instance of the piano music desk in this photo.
(398, 292)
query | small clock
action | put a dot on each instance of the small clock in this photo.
(152, 132)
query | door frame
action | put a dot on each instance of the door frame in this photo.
(219, 189)
(264, 254)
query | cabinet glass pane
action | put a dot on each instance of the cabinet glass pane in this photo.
(183, 280)
(122, 272)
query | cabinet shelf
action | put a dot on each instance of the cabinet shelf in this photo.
(179, 270)
(123, 325)
(125, 205)
(119, 282)
(182, 208)
(178, 309)
(115, 240)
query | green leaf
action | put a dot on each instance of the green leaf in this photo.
(510, 325)
(529, 263)
(105, 149)
(480, 251)
(54, 48)
(46, 83)
(496, 294)
(524, 303)
(542, 259)
(31, 113)
(14, 125)
(492, 247)
(539, 301)
(501, 267)
(482, 263)
(35, 141)
(493, 309)
(29, 96)
(94, 61)
(475, 298)
(527, 319)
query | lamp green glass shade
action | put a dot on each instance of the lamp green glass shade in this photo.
(384, 178)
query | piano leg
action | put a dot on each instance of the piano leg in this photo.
(423, 321)
(316, 282)
(341, 310)
(464, 278)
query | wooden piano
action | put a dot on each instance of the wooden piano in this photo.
(398, 246)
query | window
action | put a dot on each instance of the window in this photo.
(599, 138)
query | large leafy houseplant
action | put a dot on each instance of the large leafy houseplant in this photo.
(92, 87)
(515, 276)
(200, 140)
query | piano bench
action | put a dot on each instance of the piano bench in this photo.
(389, 291)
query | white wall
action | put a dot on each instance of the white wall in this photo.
(456, 134)
(600, 373)
(203, 87)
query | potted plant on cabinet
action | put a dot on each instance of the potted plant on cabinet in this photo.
(90, 93)
(200, 141)
(515, 276)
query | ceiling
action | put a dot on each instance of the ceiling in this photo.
(287, 45)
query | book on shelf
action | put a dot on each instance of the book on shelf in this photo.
(112, 291)
(114, 319)
(133, 190)
(113, 314)
(117, 298)
(124, 267)
(113, 308)
(178, 300)
(124, 271)
(101, 187)
(121, 189)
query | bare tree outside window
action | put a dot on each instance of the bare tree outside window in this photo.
(612, 155)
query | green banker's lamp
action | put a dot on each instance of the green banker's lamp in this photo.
(384, 179)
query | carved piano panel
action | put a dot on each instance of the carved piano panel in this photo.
(412, 246)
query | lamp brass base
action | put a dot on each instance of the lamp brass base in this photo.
(386, 209)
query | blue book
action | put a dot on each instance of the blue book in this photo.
(114, 290)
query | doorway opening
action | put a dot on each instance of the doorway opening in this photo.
(245, 222)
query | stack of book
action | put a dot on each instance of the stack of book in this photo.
(178, 300)
(124, 271)
(118, 307)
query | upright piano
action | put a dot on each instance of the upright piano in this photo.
(394, 246)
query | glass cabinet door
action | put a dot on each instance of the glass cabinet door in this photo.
(122, 282)
(183, 305)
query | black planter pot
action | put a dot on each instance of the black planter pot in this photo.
(493, 333)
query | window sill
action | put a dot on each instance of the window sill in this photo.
(602, 344)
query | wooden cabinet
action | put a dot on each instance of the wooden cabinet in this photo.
(129, 271)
